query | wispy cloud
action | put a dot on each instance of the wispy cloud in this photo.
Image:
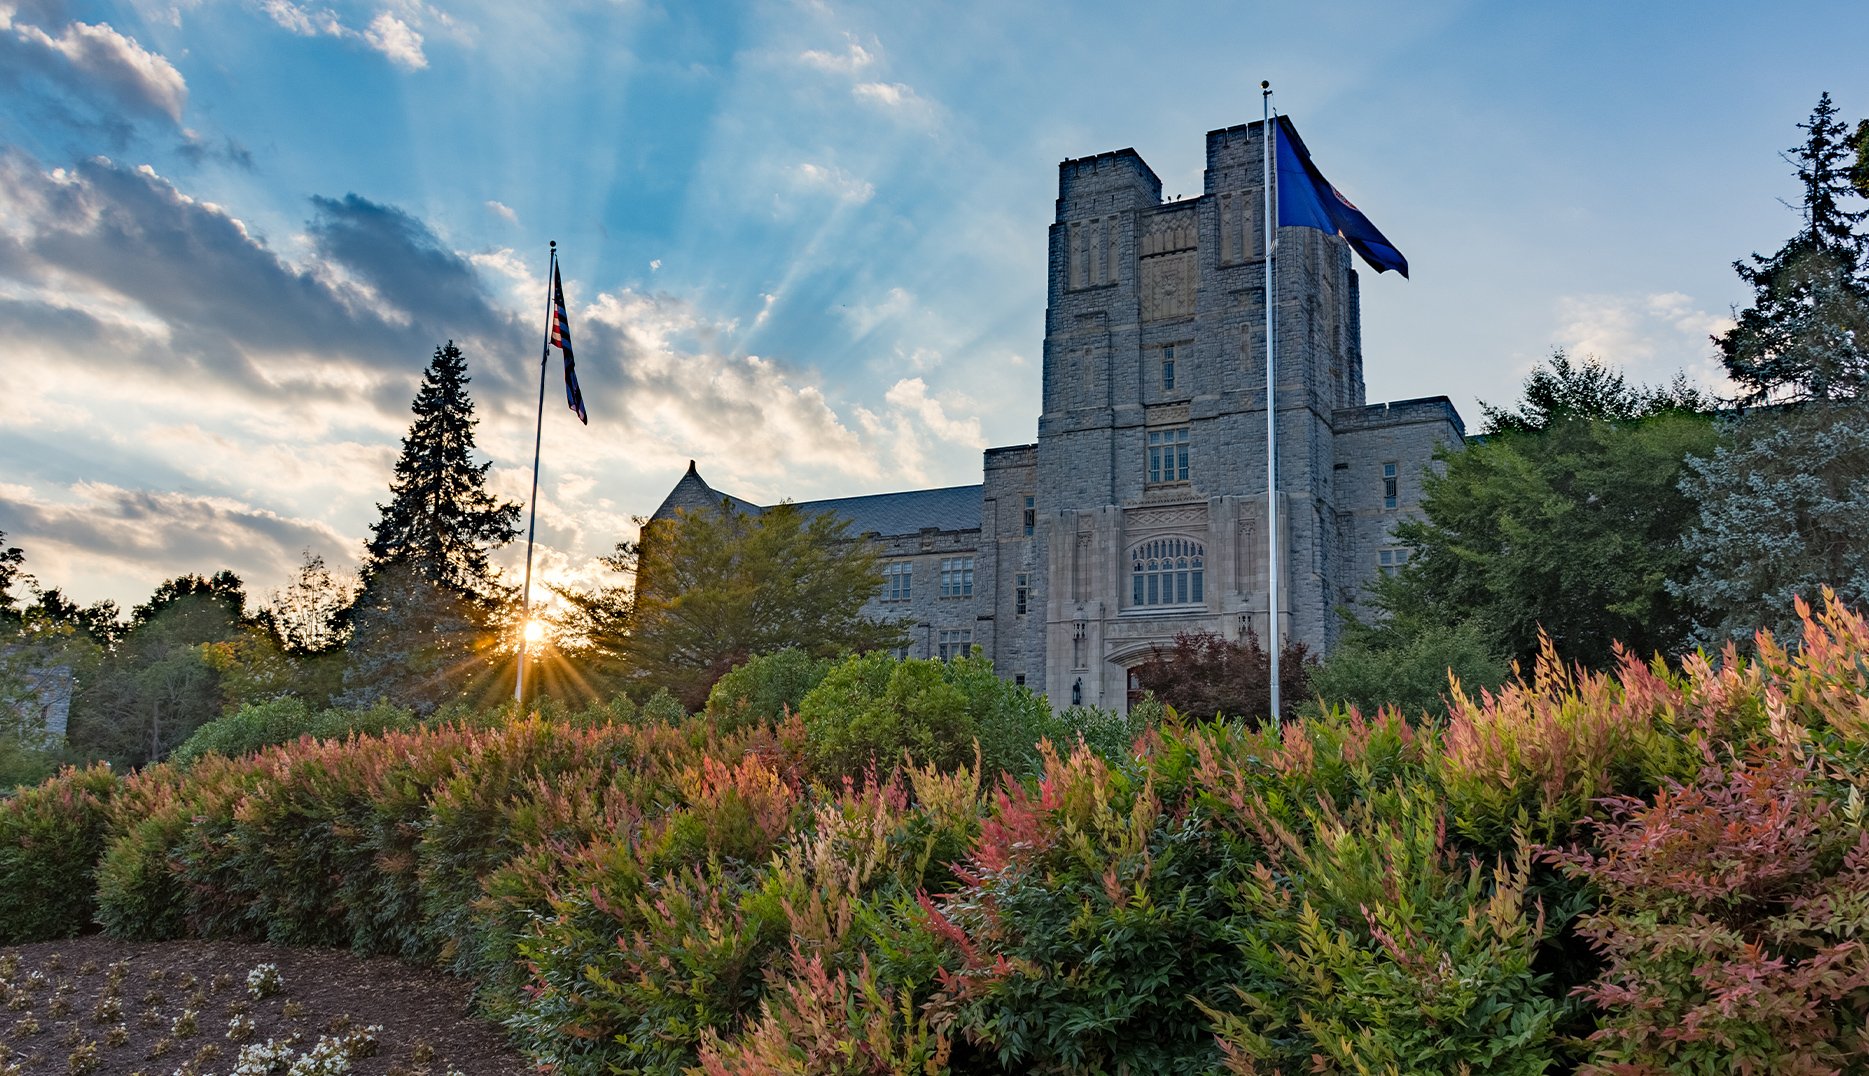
(502, 211)
(834, 181)
(852, 59)
(1651, 336)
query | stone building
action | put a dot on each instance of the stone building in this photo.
(1140, 512)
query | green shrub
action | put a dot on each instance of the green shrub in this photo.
(1089, 922)
(265, 724)
(1376, 947)
(764, 689)
(1410, 675)
(50, 838)
(663, 707)
(872, 711)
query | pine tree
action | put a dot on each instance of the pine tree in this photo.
(424, 621)
(1806, 334)
(440, 520)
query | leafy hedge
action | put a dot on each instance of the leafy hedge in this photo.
(1659, 870)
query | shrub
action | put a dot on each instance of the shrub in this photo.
(1203, 675)
(1070, 904)
(1731, 915)
(265, 724)
(1540, 754)
(873, 711)
(1411, 675)
(1376, 947)
(50, 838)
(764, 689)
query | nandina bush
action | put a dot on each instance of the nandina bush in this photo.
(1088, 924)
(815, 1022)
(140, 893)
(1375, 946)
(1536, 755)
(50, 838)
(1731, 915)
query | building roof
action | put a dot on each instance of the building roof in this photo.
(955, 508)
(692, 493)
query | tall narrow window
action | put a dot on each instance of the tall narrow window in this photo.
(954, 644)
(1167, 571)
(1168, 367)
(1020, 588)
(957, 577)
(1168, 456)
(1389, 481)
(898, 581)
(1031, 515)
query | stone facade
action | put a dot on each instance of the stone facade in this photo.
(1141, 511)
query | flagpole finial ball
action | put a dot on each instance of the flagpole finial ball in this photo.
(1265, 85)
(554, 244)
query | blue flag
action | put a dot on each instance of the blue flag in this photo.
(1307, 200)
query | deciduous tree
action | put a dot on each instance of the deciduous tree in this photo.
(718, 586)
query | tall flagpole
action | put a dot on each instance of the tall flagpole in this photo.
(1271, 410)
(532, 511)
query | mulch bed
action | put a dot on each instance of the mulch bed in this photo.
(71, 1019)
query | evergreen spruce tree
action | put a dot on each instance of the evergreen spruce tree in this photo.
(1783, 501)
(1806, 334)
(440, 520)
(423, 623)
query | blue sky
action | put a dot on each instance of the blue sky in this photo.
(803, 242)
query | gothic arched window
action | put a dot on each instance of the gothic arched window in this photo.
(1167, 571)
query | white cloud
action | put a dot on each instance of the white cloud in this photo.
(854, 58)
(502, 211)
(94, 58)
(395, 39)
(864, 318)
(398, 41)
(654, 264)
(834, 181)
(910, 396)
(1650, 337)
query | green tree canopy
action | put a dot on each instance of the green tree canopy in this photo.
(1574, 529)
(718, 586)
(1560, 389)
(11, 557)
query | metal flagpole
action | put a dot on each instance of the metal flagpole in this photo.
(1271, 410)
(532, 512)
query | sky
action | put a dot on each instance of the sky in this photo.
(803, 243)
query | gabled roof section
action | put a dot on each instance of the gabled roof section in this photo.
(955, 508)
(693, 494)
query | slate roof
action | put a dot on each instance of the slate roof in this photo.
(955, 508)
(691, 493)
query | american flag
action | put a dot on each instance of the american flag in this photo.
(561, 339)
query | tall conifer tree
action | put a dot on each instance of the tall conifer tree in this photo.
(441, 521)
(422, 625)
(1806, 334)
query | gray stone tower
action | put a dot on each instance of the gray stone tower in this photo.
(1150, 483)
